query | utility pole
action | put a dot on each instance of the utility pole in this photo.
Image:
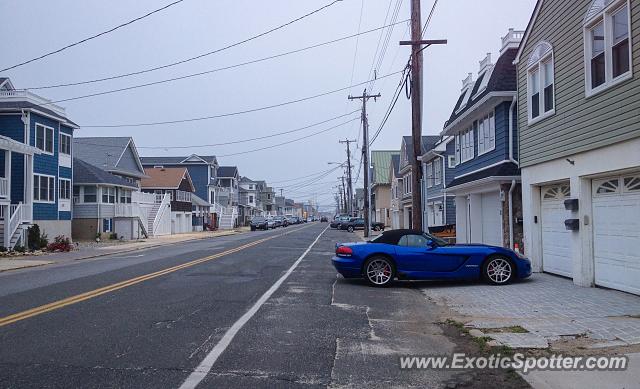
(349, 179)
(417, 43)
(343, 190)
(365, 157)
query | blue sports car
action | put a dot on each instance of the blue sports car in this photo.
(414, 255)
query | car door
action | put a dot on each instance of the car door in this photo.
(359, 224)
(415, 254)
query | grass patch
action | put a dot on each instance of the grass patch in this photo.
(511, 330)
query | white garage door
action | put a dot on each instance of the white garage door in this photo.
(616, 232)
(491, 220)
(556, 249)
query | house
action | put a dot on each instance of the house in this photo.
(358, 202)
(406, 156)
(201, 216)
(288, 207)
(279, 205)
(115, 155)
(248, 200)
(203, 170)
(396, 192)
(381, 185)
(579, 123)
(175, 186)
(486, 177)
(267, 198)
(36, 137)
(228, 196)
(438, 167)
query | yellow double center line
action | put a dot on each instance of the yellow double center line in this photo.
(123, 284)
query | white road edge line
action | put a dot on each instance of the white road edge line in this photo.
(207, 363)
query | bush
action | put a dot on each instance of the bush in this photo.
(60, 243)
(35, 239)
(3, 249)
(19, 249)
(113, 236)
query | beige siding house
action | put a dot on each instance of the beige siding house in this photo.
(579, 125)
(381, 185)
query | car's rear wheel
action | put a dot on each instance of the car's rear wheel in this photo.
(350, 229)
(376, 228)
(379, 271)
(498, 270)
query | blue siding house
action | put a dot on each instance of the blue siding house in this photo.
(438, 167)
(486, 175)
(38, 173)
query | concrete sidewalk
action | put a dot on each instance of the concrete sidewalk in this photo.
(13, 263)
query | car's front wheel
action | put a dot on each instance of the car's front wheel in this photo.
(498, 270)
(350, 229)
(379, 271)
(376, 228)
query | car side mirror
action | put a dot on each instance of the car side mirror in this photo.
(431, 244)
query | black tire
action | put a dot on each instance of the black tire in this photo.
(350, 229)
(498, 270)
(253, 228)
(376, 228)
(373, 275)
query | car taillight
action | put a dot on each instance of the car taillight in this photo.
(344, 251)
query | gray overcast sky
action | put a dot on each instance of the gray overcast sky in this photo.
(32, 27)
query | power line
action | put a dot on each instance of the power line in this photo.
(79, 140)
(290, 141)
(426, 24)
(237, 112)
(209, 53)
(91, 37)
(394, 99)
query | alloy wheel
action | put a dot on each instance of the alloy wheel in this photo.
(379, 272)
(499, 270)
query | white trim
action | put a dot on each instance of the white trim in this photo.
(604, 16)
(482, 168)
(542, 53)
(492, 120)
(499, 95)
(55, 188)
(44, 144)
(527, 32)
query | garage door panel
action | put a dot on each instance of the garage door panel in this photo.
(616, 230)
(491, 219)
(556, 240)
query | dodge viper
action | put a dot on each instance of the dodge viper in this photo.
(414, 255)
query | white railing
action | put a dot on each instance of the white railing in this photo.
(163, 211)
(513, 36)
(31, 97)
(14, 222)
(124, 210)
(486, 62)
(143, 198)
(4, 187)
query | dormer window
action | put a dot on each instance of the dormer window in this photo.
(607, 45)
(540, 83)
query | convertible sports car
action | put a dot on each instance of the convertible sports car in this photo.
(414, 255)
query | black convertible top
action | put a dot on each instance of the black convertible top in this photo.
(393, 236)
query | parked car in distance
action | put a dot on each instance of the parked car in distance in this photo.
(272, 223)
(338, 221)
(279, 221)
(415, 255)
(258, 223)
(324, 219)
(377, 226)
(353, 224)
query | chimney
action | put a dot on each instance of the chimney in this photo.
(511, 40)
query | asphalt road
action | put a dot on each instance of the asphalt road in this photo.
(262, 309)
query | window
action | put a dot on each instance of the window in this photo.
(464, 145)
(540, 82)
(108, 195)
(44, 138)
(437, 172)
(90, 194)
(183, 196)
(107, 225)
(76, 194)
(607, 45)
(429, 175)
(413, 241)
(65, 144)
(125, 196)
(251, 199)
(44, 188)
(486, 134)
(451, 160)
(65, 189)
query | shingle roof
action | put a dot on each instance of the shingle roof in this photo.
(175, 160)
(170, 177)
(227, 171)
(395, 162)
(381, 160)
(509, 169)
(103, 152)
(503, 79)
(85, 173)
(428, 143)
(199, 202)
(17, 105)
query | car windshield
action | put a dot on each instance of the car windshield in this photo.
(258, 219)
(438, 241)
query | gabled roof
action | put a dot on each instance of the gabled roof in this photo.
(527, 32)
(428, 142)
(193, 158)
(227, 171)
(166, 178)
(6, 84)
(381, 160)
(502, 79)
(85, 173)
(244, 179)
(395, 164)
(106, 153)
(199, 202)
